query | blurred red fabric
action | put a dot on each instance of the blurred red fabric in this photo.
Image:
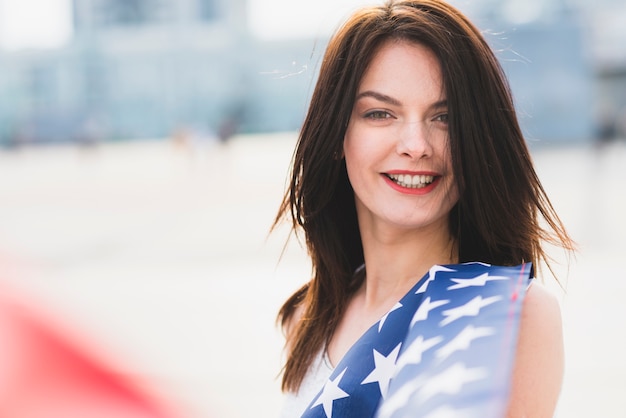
(45, 374)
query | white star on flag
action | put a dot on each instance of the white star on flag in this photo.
(475, 281)
(398, 305)
(330, 393)
(471, 308)
(477, 263)
(431, 276)
(400, 398)
(413, 354)
(445, 412)
(463, 340)
(384, 370)
(450, 381)
(425, 307)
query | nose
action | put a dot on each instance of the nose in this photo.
(414, 140)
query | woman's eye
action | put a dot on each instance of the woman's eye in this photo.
(377, 115)
(441, 118)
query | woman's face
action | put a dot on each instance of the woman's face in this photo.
(396, 145)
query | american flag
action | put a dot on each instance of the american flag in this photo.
(446, 349)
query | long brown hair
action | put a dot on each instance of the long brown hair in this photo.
(496, 219)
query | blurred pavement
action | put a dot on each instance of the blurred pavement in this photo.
(159, 255)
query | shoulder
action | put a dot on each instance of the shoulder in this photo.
(538, 368)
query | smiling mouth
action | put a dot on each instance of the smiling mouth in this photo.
(411, 182)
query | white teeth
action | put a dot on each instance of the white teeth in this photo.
(412, 182)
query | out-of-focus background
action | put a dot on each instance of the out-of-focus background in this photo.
(144, 146)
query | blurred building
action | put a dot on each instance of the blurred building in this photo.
(154, 68)
(543, 49)
(151, 68)
(607, 32)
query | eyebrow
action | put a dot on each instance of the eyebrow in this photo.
(378, 96)
(395, 102)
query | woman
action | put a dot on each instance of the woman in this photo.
(411, 156)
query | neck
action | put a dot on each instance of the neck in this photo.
(396, 259)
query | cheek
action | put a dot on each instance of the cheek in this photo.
(445, 154)
(352, 161)
(356, 159)
(363, 144)
(351, 152)
(446, 157)
(453, 194)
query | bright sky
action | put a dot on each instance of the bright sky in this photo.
(279, 19)
(47, 23)
(34, 23)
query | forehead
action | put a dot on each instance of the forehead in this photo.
(403, 68)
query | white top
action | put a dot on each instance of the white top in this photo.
(319, 372)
